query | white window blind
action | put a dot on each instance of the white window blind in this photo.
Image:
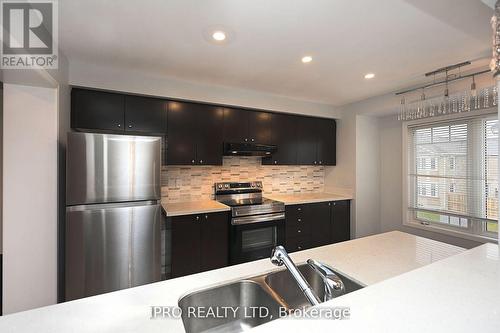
(453, 175)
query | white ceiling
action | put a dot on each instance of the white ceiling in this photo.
(398, 40)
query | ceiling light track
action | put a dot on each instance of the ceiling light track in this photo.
(444, 81)
(447, 68)
(458, 102)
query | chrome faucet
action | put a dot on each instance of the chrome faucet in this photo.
(333, 284)
(279, 256)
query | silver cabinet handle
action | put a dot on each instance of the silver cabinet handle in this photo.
(192, 161)
(275, 162)
(201, 161)
(299, 247)
(329, 204)
(253, 140)
(129, 126)
(246, 140)
(315, 162)
(197, 218)
(299, 209)
(320, 162)
(206, 217)
(299, 220)
(119, 125)
(299, 231)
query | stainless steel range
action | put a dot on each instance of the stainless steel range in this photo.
(257, 223)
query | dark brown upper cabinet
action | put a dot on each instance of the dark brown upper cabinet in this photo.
(316, 141)
(307, 138)
(145, 115)
(327, 142)
(242, 126)
(194, 134)
(117, 113)
(259, 126)
(97, 110)
(284, 136)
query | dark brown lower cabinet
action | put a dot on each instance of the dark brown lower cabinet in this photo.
(317, 224)
(199, 243)
(341, 221)
(320, 217)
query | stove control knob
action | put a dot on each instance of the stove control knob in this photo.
(226, 185)
(219, 186)
(252, 185)
(258, 185)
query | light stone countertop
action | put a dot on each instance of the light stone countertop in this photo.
(193, 207)
(212, 206)
(369, 260)
(305, 198)
(457, 294)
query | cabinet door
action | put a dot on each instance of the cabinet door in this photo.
(307, 141)
(214, 241)
(341, 221)
(182, 133)
(318, 214)
(236, 125)
(284, 136)
(185, 245)
(97, 110)
(326, 130)
(209, 135)
(145, 115)
(259, 127)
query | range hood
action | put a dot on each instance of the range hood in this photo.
(248, 149)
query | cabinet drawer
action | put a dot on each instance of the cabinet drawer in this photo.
(294, 212)
(296, 228)
(294, 244)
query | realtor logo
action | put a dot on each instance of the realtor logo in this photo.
(29, 34)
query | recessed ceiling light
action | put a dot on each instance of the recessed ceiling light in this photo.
(307, 59)
(369, 76)
(219, 36)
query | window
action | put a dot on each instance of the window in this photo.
(453, 176)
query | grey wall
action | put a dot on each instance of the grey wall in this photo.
(90, 75)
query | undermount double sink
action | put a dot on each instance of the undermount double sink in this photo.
(258, 299)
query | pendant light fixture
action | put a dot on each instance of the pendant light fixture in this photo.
(473, 90)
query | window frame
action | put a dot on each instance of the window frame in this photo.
(475, 231)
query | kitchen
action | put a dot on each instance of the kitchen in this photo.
(235, 165)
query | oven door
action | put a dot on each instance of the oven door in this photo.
(254, 237)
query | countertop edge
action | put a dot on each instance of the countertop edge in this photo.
(192, 212)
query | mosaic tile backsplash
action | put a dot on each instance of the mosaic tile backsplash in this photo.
(191, 183)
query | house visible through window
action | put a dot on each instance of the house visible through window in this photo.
(451, 163)
(453, 175)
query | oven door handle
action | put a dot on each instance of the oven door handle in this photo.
(257, 218)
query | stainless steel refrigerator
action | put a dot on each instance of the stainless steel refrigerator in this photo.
(113, 213)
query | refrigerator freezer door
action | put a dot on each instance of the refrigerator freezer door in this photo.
(111, 247)
(112, 168)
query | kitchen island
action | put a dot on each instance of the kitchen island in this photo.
(391, 265)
